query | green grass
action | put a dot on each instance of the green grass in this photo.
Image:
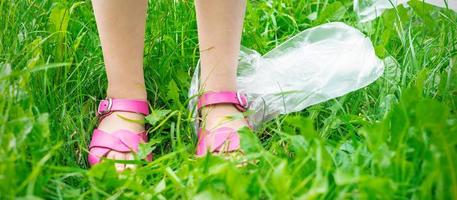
(395, 139)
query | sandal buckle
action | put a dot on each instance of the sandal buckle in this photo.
(106, 109)
(243, 104)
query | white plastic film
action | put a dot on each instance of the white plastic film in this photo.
(368, 10)
(314, 66)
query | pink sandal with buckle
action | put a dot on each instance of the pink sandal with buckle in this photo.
(121, 140)
(214, 141)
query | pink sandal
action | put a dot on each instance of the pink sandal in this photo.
(213, 141)
(121, 140)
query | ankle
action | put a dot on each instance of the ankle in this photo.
(136, 91)
(214, 83)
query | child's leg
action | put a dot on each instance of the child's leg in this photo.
(220, 24)
(121, 25)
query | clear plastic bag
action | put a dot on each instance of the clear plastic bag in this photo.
(315, 65)
(368, 10)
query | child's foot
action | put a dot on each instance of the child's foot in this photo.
(221, 117)
(117, 121)
(225, 115)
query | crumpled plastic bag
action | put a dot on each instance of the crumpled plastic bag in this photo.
(368, 10)
(316, 65)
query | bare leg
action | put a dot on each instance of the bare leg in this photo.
(121, 25)
(220, 24)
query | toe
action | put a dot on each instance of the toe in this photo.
(110, 155)
(129, 156)
(118, 156)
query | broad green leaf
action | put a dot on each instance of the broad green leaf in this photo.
(249, 142)
(156, 116)
(173, 92)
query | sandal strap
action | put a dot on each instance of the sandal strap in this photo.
(110, 105)
(228, 97)
(121, 141)
(216, 140)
